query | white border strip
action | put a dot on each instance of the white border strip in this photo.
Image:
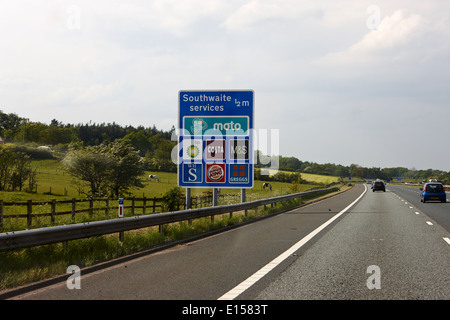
(236, 291)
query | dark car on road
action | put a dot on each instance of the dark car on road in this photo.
(433, 191)
(378, 185)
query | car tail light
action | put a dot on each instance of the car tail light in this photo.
(443, 189)
(425, 188)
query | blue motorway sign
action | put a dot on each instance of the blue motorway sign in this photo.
(215, 148)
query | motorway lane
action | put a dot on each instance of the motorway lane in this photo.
(440, 212)
(381, 230)
(208, 268)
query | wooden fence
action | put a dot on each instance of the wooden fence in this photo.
(133, 206)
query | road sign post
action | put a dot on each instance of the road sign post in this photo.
(215, 148)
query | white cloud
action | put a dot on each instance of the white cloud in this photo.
(255, 13)
(395, 34)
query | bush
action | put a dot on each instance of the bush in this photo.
(172, 199)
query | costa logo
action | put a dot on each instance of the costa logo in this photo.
(215, 172)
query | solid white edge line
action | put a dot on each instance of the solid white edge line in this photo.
(447, 240)
(240, 288)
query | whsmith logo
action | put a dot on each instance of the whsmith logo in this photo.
(232, 125)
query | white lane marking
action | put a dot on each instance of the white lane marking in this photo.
(417, 212)
(236, 291)
(447, 240)
(410, 207)
(429, 223)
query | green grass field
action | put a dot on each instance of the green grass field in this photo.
(316, 178)
(55, 183)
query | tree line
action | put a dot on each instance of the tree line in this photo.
(354, 170)
(155, 147)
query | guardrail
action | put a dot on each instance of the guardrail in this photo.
(48, 235)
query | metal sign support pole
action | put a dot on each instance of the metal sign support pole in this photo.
(188, 198)
(243, 199)
(215, 196)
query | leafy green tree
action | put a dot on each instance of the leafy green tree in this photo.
(162, 157)
(125, 170)
(90, 165)
(15, 170)
(6, 167)
(139, 141)
(21, 171)
(9, 124)
(109, 169)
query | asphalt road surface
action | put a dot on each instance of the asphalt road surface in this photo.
(356, 245)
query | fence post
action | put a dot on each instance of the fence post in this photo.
(154, 204)
(73, 208)
(91, 207)
(132, 205)
(107, 207)
(144, 202)
(29, 212)
(53, 210)
(1, 215)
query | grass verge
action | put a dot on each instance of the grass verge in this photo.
(25, 266)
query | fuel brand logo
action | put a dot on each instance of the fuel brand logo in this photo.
(215, 172)
(192, 149)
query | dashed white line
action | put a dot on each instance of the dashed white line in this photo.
(446, 239)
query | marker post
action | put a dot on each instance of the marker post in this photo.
(121, 211)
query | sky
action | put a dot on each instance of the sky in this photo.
(344, 82)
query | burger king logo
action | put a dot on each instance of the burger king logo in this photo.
(215, 172)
